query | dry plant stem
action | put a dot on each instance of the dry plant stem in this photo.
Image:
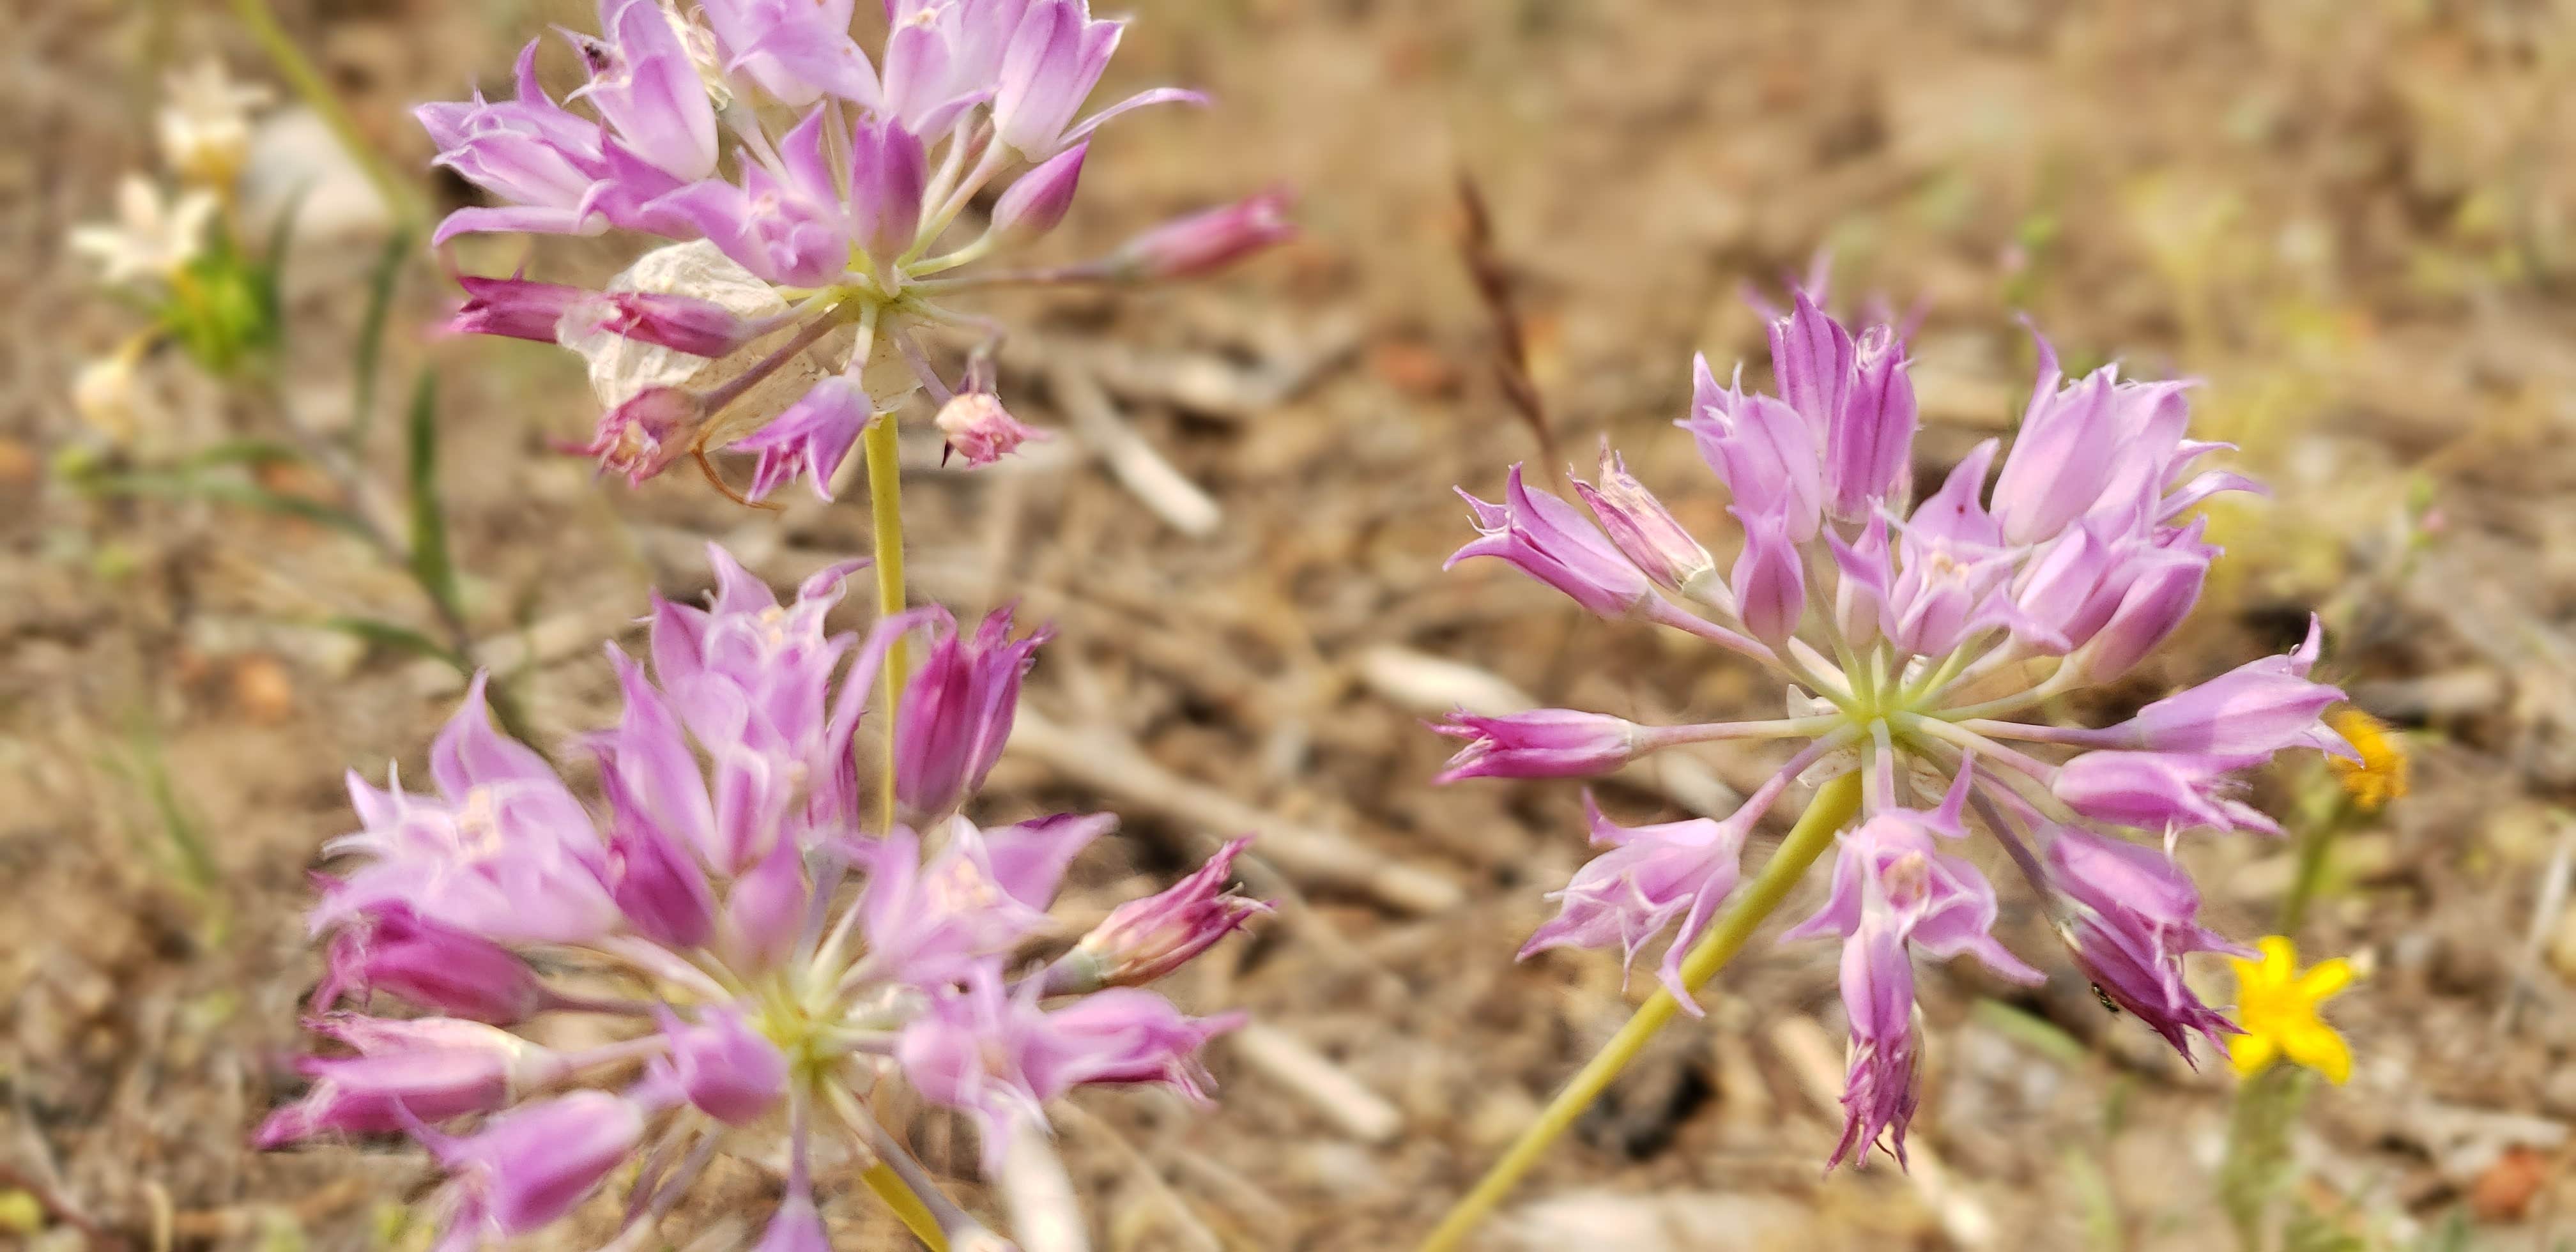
(885, 502)
(1834, 804)
(298, 71)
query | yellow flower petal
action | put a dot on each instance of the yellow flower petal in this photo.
(2280, 958)
(2323, 979)
(2250, 1053)
(2319, 1048)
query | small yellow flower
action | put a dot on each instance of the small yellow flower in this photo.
(2277, 1006)
(2380, 775)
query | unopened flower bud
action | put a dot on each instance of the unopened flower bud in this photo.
(680, 323)
(979, 429)
(1769, 582)
(1642, 527)
(1205, 242)
(426, 1069)
(956, 715)
(1542, 743)
(1142, 940)
(1038, 200)
(514, 307)
(641, 437)
(432, 966)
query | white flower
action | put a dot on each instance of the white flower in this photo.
(205, 123)
(151, 238)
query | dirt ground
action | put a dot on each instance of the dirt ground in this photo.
(2354, 221)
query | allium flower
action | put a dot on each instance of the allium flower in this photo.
(1908, 637)
(757, 954)
(850, 214)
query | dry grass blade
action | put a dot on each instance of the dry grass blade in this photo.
(1493, 279)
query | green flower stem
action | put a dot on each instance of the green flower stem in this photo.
(1834, 804)
(400, 198)
(885, 502)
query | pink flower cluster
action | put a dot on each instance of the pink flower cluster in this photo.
(1910, 638)
(835, 220)
(754, 958)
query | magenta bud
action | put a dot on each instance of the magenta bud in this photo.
(1142, 940)
(724, 1068)
(1869, 442)
(1769, 581)
(659, 887)
(977, 428)
(956, 715)
(1205, 242)
(641, 437)
(1038, 200)
(1542, 743)
(1811, 359)
(514, 307)
(888, 174)
(418, 1070)
(432, 966)
(2154, 605)
(680, 323)
(1641, 527)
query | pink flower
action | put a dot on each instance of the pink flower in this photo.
(1542, 743)
(1650, 877)
(979, 429)
(1549, 541)
(1143, 940)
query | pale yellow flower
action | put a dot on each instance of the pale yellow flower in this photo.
(2277, 1007)
(152, 238)
(205, 123)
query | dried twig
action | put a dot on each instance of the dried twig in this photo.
(1493, 281)
(1185, 1221)
(2545, 909)
(1101, 758)
(1288, 1060)
(1131, 460)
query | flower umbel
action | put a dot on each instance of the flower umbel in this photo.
(822, 190)
(1912, 640)
(2277, 1004)
(758, 955)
